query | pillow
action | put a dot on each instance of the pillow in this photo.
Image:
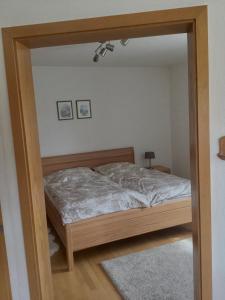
(68, 174)
(116, 168)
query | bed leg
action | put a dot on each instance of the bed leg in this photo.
(70, 259)
(69, 248)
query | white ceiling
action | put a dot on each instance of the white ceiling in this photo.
(149, 51)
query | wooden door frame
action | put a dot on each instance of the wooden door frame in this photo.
(17, 44)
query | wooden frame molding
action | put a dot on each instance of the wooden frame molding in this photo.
(17, 44)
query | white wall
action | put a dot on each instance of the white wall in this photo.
(23, 12)
(130, 107)
(180, 121)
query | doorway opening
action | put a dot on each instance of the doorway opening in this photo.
(17, 43)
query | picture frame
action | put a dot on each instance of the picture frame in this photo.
(65, 110)
(83, 109)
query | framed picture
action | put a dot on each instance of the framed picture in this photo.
(65, 110)
(83, 109)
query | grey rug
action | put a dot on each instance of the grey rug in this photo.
(162, 273)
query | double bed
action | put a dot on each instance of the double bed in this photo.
(99, 197)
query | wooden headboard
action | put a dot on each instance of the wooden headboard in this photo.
(87, 159)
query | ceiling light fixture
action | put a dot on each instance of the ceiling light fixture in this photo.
(96, 58)
(124, 42)
(110, 47)
(103, 52)
(104, 47)
(98, 52)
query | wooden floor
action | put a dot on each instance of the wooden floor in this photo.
(88, 280)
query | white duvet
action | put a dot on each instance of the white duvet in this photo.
(81, 193)
(154, 185)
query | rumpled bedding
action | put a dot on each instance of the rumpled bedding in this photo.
(155, 185)
(81, 193)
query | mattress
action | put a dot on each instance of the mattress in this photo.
(81, 193)
(157, 186)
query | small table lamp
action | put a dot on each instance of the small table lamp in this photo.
(150, 155)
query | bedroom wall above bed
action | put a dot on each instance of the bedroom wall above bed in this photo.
(130, 107)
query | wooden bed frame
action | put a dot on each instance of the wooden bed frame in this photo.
(113, 226)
